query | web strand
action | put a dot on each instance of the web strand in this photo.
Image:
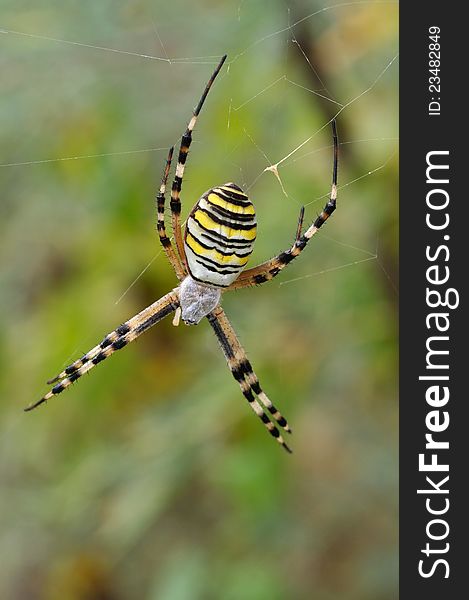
(236, 113)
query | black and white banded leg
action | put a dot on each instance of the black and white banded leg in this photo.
(182, 157)
(242, 371)
(117, 339)
(172, 256)
(271, 268)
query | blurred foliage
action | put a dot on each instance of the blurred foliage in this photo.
(151, 478)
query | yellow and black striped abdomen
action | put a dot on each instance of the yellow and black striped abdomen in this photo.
(220, 234)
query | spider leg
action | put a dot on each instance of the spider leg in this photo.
(116, 340)
(271, 268)
(110, 338)
(183, 152)
(160, 225)
(241, 370)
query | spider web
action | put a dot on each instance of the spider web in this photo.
(92, 98)
(156, 28)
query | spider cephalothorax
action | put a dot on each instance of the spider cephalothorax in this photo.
(197, 300)
(208, 261)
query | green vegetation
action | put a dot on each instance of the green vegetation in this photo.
(151, 478)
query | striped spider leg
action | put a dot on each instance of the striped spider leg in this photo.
(186, 141)
(271, 268)
(131, 329)
(172, 256)
(242, 371)
(117, 339)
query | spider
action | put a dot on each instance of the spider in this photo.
(208, 261)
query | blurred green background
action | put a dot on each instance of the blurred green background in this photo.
(151, 478)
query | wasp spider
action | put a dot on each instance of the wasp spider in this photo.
(208, 260)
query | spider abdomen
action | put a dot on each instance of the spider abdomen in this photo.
(220, 235)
